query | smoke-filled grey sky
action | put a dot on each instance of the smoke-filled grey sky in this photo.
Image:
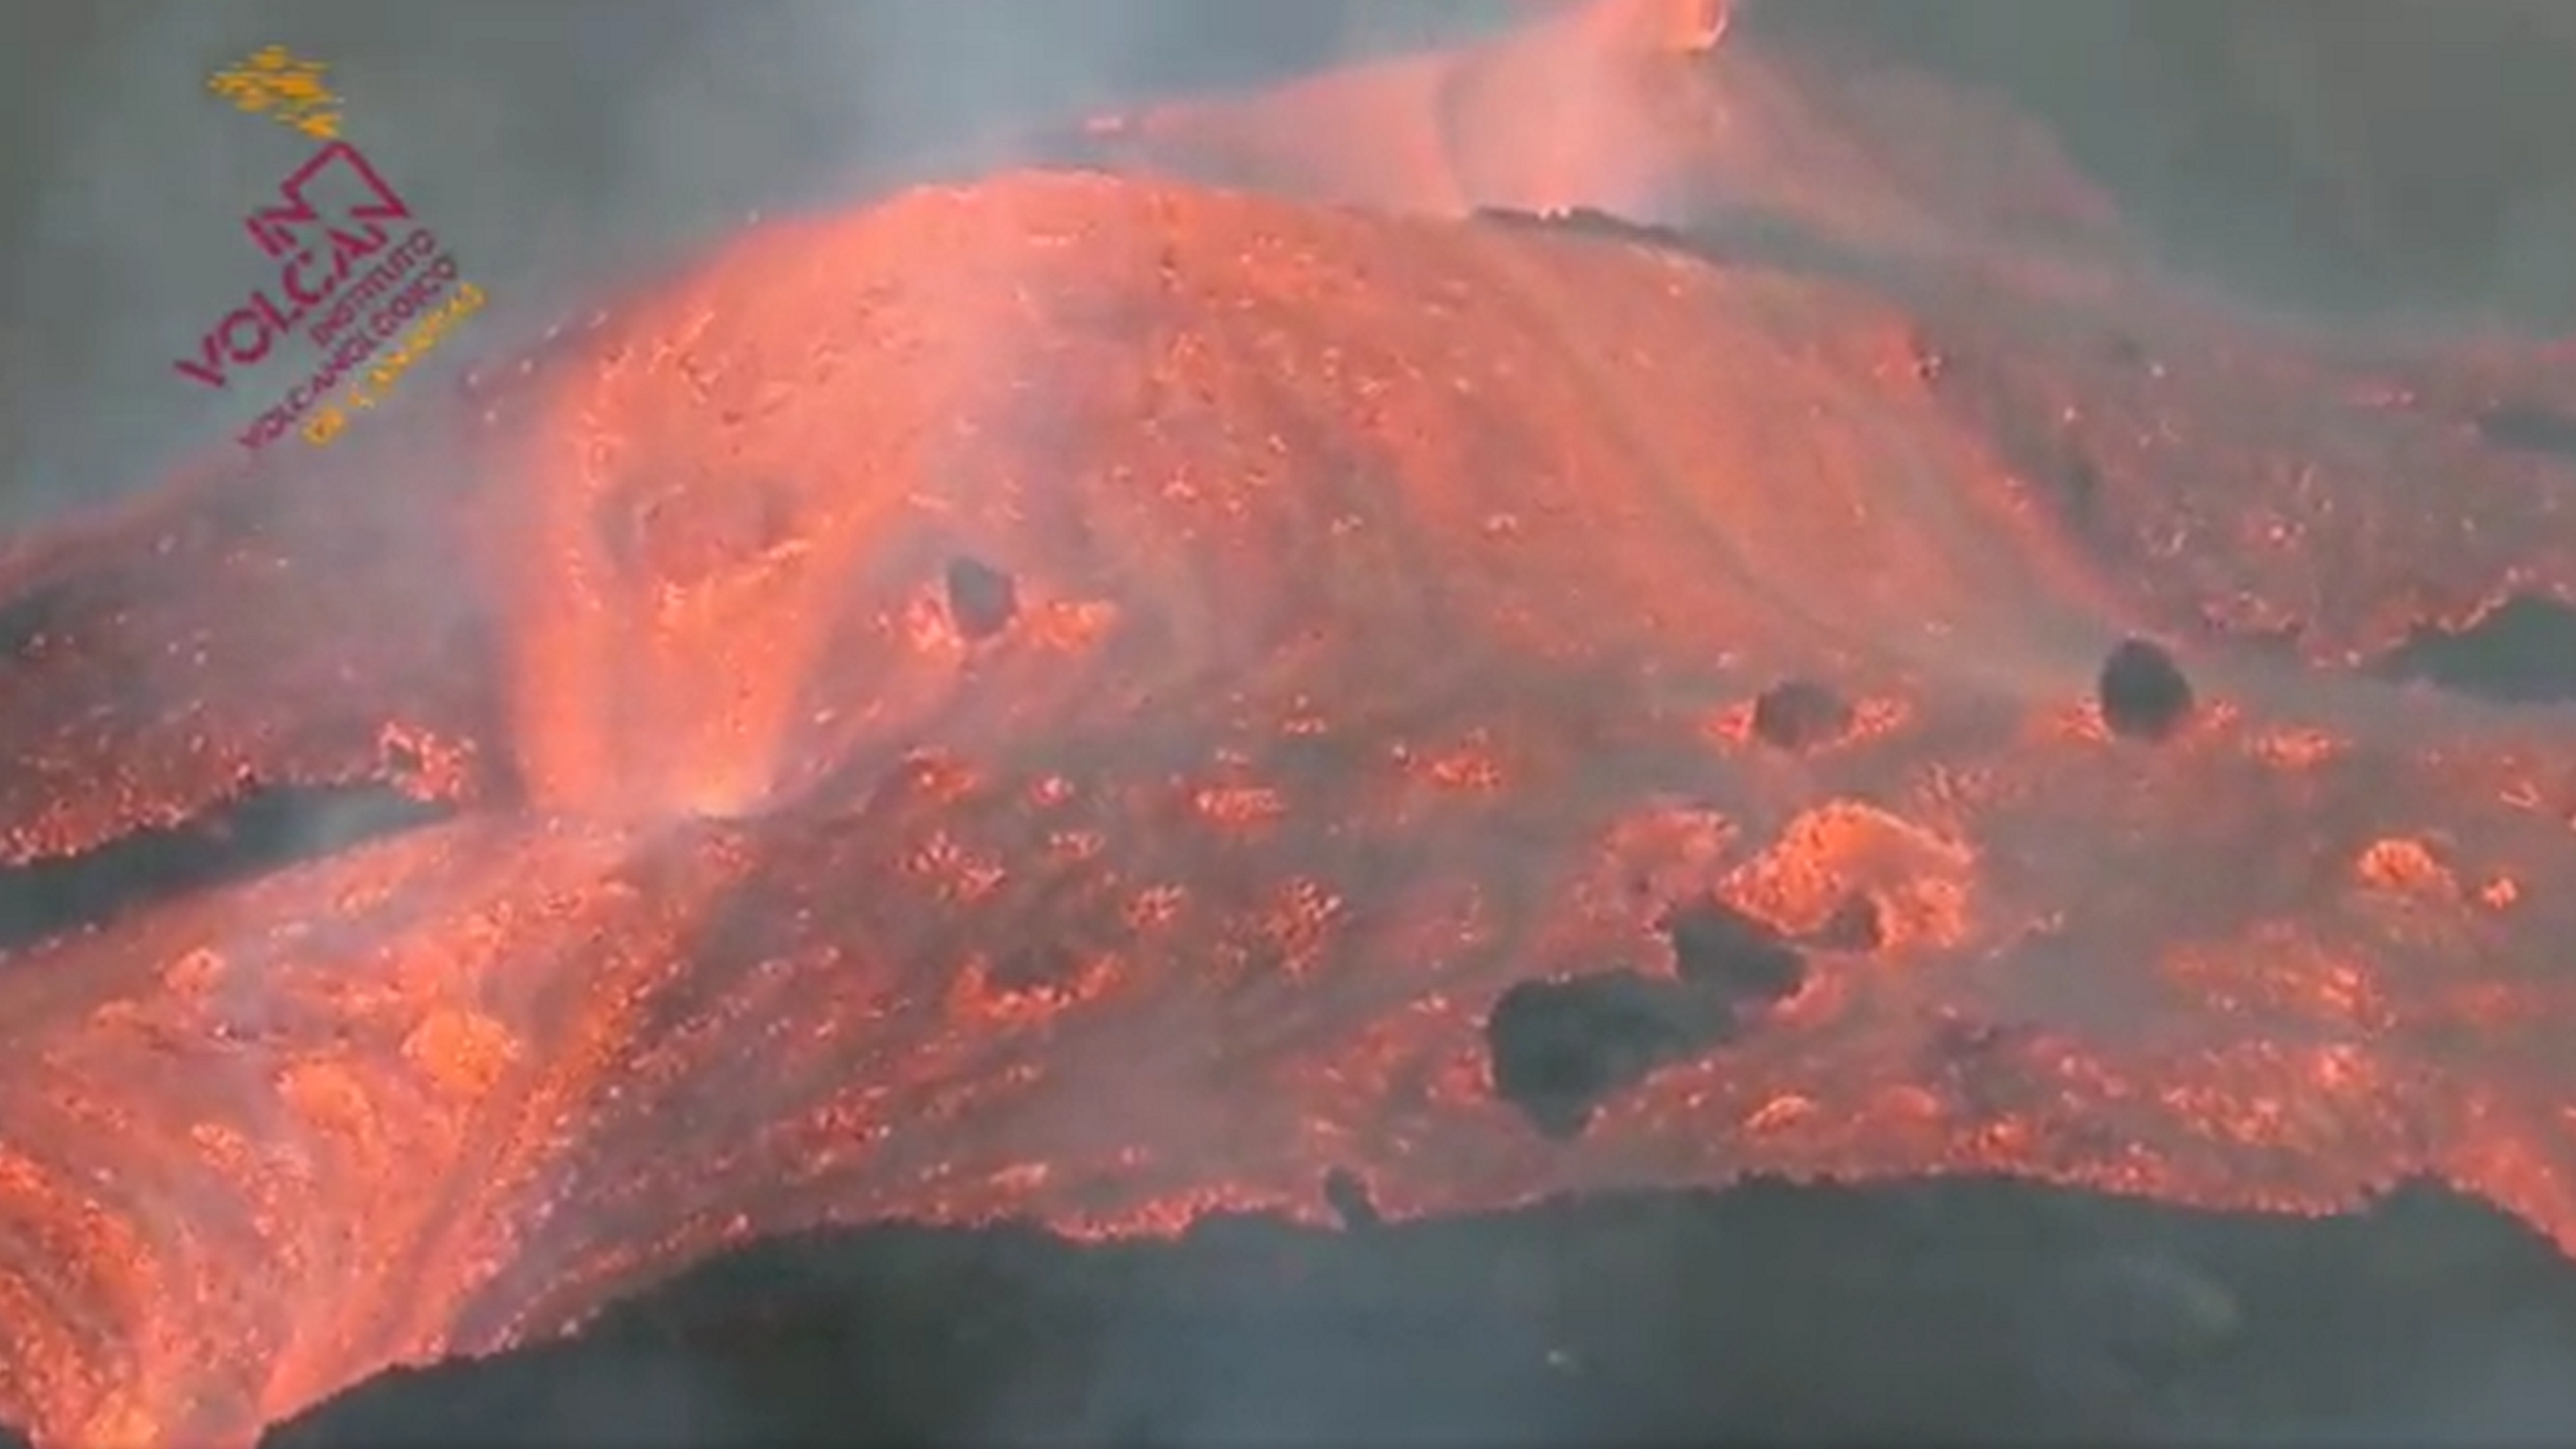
(557, 144)
(552, 143)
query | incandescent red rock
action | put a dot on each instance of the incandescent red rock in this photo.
(1388, 601)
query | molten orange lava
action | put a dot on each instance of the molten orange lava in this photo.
(1386, 602)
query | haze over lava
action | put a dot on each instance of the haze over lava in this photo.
(1080, 694)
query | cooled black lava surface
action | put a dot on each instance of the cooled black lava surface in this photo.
(1959, 1312)
(267, 829)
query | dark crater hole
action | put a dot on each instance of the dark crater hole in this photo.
(266, 830)
(2522, 652)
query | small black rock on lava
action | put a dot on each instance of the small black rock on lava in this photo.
(981, 598)
(2144, 695)
(1349, 1199)
(1721, 949)
(1558, 1049)
(1800, 714)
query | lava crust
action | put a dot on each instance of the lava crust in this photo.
(1079, 696)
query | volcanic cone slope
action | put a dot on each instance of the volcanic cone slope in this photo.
(1105, 701)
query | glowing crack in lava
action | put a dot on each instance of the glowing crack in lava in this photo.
(1103, 699)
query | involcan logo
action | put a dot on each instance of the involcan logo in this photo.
(355, 270)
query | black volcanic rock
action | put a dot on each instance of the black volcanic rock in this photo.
(1558, 1049)
(1799, 714)
(2144, 694)
(1741, 960)
(981, 598)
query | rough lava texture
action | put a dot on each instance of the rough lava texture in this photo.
(1083, 697)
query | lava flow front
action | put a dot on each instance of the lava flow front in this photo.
(1092, 697)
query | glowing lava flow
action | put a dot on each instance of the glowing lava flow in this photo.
(1077, 696)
